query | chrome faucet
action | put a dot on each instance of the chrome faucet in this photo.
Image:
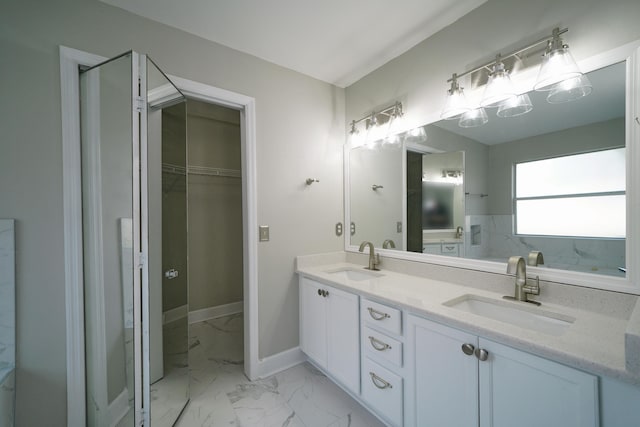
(517, 267)
(388, 244)
(374, 258)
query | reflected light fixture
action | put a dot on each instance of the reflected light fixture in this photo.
(456, 104)
(570, 90)
(515, 106)
(559, 75)
(499, 87)
(474, 118)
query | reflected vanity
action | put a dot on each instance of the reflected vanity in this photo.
(454, 191)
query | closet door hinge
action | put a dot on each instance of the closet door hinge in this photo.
(142, 260)
(139, 104)
(142, 413)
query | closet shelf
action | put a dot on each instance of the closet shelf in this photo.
(200, 170)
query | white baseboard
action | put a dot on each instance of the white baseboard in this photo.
(118, 408)
(174, 314)
(279, 362)
(217, 311)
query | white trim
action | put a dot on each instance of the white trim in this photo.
(70, 60)
(203, 314)
(629, 284)
(175, 314)
(279, 362)
(118, 409)
(246, 106)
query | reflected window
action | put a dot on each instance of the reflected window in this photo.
(580, 195)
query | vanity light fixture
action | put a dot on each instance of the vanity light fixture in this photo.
(456, 104)
(559, 74)
(382, 125)
(558, 64)
(499, 88)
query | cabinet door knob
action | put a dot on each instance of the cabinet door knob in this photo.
(468, 349)
(482, 354)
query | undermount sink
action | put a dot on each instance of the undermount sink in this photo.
(515, 313)
(356, 275)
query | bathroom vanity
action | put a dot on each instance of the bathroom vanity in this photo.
(417, 351)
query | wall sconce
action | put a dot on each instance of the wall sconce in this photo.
(559, 75)
(383, 125)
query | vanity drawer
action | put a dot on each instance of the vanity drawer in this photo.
(382, 390)
(382, 316)
(379, 345)
(450, 249)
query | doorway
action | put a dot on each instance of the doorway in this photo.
(71, 62)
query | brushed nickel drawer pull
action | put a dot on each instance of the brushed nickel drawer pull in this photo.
(379, 345)
(377, 315)
(376, 380)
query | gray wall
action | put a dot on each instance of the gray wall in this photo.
(300, 124)
(215, 207)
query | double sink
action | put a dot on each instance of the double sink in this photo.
(519, 314)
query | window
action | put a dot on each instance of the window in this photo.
(580, 195)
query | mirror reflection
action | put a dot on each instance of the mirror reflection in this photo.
(551, 180)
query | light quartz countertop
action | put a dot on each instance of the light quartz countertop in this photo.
(595, 342)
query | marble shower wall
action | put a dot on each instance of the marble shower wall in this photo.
(491, 237)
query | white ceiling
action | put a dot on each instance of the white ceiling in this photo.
(336, 41)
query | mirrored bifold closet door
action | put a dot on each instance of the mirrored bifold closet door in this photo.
(127, 345)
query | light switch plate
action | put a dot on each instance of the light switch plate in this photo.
(264, 233)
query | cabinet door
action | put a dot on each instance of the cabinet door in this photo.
(519, 389)
(445, 385)
(313, 321)
(343, 338)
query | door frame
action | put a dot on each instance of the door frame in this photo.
(70, 61)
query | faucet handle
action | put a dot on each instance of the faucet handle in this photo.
(533, 289)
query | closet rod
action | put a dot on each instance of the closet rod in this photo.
(201, 170)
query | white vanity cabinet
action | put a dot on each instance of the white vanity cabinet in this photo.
(443, 248)
(460, 379)
(329, 331)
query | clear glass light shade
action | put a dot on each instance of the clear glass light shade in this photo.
(456, 105)
(499, 88)
(570, 90)
(557, 65)
(396, 126)
(515, 106)
(473, 118)
(356, 139)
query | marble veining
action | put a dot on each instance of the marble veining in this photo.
(498, 243)
(221, 395)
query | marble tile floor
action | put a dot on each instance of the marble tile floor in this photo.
(221, 395)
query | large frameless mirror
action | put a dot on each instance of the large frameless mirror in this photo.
(552, 181)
